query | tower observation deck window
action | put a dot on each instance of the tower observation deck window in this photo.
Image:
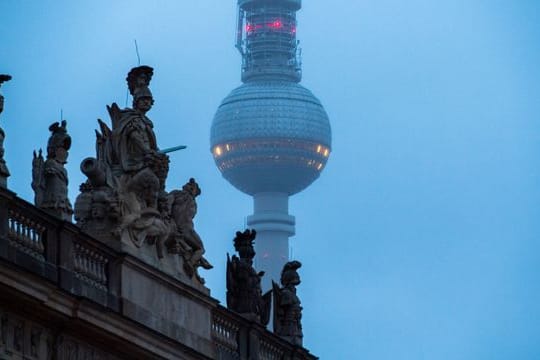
(239, 153)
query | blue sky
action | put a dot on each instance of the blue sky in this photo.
(421, 238)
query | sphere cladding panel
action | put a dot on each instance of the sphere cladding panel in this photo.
(282, 178)
(271, 136)
(271, 109)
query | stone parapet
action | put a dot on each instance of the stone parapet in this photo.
(66, 295)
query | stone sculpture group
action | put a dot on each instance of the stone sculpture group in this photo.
(124, 199)
(244, 294)
(124, 203)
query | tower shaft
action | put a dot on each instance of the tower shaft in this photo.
(274, 226)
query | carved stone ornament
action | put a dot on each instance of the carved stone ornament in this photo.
(23, 339)
(124, 199)
(184, 239)
(244, 293)
(49, 177)
(71, 349)
(287, 306)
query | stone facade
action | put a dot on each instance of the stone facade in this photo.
(66, 295)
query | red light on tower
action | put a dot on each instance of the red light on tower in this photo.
(276, 24)
(249, 28)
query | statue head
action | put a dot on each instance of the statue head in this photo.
(243, 243)
(289, 274)
(192, 188)
(138, 80)
(59, 142)
(143, 100)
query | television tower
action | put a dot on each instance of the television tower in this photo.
(270, 137)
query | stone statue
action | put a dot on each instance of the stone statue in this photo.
(287, 308)
(4, 172)
(140, 169)
(49, 177)
(244, 293)
(124, 199)
(184, 239)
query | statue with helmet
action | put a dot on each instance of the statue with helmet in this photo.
(287, 306)
(124, 199)
(49, 176)
(244, 294)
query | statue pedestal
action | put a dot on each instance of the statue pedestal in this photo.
(165, 304)
(170, 264)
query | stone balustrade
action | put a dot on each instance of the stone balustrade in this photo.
(270, 350)
(225, 333)
(26, 233)
(35, 241)
(90, 266)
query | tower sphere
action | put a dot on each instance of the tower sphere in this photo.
(271, 136)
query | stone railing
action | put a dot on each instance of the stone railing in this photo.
(269, 350)
(26, 233)
(225, 333)
(35, 241)
(239, 338)
(90, 266)
(57, 250)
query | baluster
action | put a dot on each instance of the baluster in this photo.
(24, 239)
(84, 262)
(28, 235)
(80, 258)
(24, 235)
(94, 259)
(103, 271)
(18, 231)
(90, 264)
(98, 268)
(39, 239)
(27, 238)
(11, 224)
(32, 236)
(76, 260)
(90, 270)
